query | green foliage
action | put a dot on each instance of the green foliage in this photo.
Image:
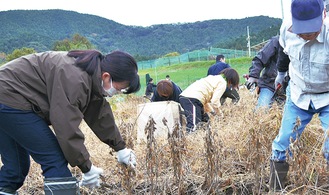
(19, 52)
(77, 42)
(255, 38)
(171, 54)
(2, 58)
(139, 57)
(185, 74)
(40, 29)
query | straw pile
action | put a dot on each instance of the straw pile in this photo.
(230, 155)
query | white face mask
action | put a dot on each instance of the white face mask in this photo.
(111, 91)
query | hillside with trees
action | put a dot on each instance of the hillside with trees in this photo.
(40, 29)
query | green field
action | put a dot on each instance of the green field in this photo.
(185, 74)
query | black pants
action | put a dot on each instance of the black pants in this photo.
(194, 112)
(232, 94)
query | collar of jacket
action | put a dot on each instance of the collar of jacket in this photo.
(97, 88)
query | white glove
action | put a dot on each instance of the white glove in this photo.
(279, 79)
(127, 156)
(91, 178)
(250, 82)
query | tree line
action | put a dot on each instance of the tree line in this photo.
(41, 29)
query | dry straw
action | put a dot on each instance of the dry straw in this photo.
(230, 155)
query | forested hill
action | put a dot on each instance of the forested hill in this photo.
(39, 29)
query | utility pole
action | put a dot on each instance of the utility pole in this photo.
(248, 39)
(282, 12)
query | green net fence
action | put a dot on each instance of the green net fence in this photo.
(197, 55)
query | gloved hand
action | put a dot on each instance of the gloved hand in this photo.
(250, 82)
(91, 178)
(279, 79)
(127, 156)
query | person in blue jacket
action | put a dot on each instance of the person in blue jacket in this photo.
(220, 65)
(216, 69)
(166, 91)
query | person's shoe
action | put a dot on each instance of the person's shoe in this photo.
(189, 131)
(6, 191)
(278, 175)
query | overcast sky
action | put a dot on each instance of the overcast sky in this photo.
(151, 12)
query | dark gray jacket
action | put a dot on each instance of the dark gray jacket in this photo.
(264, 66)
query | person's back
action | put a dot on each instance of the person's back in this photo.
(220, 65)
(204, 95)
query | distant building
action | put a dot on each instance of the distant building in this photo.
(259, 46)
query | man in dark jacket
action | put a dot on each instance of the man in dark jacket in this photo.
(218, 66)
(149, 89)
(215, 69)
(263, 72)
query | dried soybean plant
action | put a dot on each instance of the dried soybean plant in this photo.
(246, 137)
(213, 172)
(238, 147)
(152, 160)
(177, 143)
(296, 158)
(308, 172)
(128, 173)
(259, 153)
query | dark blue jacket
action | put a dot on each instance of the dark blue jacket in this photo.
(149, 88)
(215, 69)
(174, 97)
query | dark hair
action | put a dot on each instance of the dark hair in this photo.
(232, 76)
(87, 60)
(150, 79)
(218, 57)
(167, 76)
(121, 66)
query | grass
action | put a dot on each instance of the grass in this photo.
(186, 73)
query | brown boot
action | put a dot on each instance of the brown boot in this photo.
(278, 175)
